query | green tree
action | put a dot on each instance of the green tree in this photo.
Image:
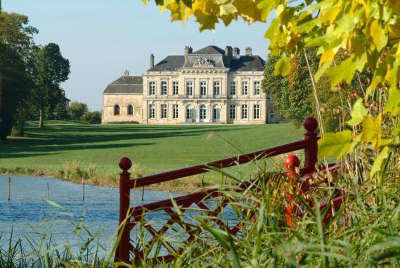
(16, 43)
(92, 117)
(51, 69)
(77, 110)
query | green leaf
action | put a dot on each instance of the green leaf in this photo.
(335, 144)
(393, 102)
(358, 113)
(346, 70)
(266, 6)
(379, 161)
(282, 67)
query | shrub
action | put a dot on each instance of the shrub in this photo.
(92, 117)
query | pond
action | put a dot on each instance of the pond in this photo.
(40, 206)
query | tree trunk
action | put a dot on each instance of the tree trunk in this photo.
(41, 117)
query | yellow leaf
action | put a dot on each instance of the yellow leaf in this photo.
(379, 161)
(378, 35)
(393, 102)
(282, 67)
(371, 132)
(327, 56)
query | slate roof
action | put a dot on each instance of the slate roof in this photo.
(126, 84)
(247, 63)
(244, 63)
(210, 50)
(170, 63)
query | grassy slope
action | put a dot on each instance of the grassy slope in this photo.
(152, 148)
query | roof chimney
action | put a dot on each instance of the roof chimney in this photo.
(188, 50)
(228, 55)
(236, 52)
(249, 51)
(151, 61)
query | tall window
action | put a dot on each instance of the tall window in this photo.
(216, 88)
(203, 88)
(152, 88)
(256, 87)
(163, 114)
(244, 111)
(152, 111)
(189, 88)
(130, 110)
(203, 112)
(175, 111)
(164, 87)
(175, 88)
(232, 90)
(216, 113)
(189, 112)
(256, 111)
(116, 109)
(245, 87)
(232, 111)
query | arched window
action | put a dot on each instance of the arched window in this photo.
(116, 109)
(216, 113)
(203, 112)
(130, 110)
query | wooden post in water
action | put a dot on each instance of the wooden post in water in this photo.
(9, 188)
(142, 193)
(48, 191)
(83, 190)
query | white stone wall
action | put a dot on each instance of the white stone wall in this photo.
(123, 100)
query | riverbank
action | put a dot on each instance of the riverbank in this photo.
(74, 151)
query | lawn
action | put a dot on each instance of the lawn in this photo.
(62, 148)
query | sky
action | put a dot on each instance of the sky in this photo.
(103, 38)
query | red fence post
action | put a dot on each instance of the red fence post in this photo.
(124, 204)
(291, 163)
(311, 149)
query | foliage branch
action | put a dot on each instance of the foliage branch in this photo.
(366, 32)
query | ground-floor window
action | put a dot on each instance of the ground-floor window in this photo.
(256, 111)
(175, 111)
(232, 111)
(203, 112)
(189, 113)
(116, 109)
(163, 111)
(244, 111)
(130, 110)
(152, 111)
(216, 114)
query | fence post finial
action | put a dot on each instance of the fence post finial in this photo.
(122, 253)
(311, 149)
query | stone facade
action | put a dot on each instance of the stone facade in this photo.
(207, 86)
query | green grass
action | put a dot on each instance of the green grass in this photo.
(62, 146)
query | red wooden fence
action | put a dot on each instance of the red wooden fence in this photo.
(309, 144)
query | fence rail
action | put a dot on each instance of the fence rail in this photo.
(309, 144)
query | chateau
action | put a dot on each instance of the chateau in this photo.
(210, 85)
